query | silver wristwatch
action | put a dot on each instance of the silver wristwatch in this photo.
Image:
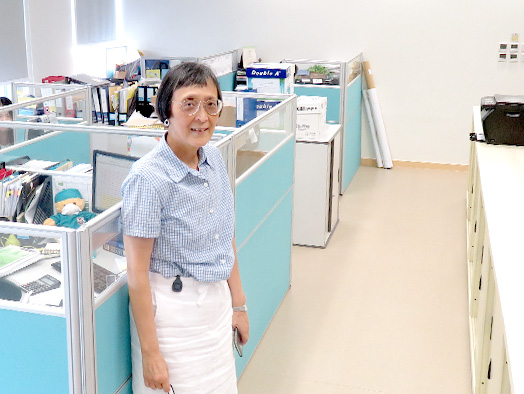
(242, 308)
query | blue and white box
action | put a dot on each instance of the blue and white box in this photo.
(271, 77)
(248, 109)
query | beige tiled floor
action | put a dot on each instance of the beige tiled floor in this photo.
(383, 309)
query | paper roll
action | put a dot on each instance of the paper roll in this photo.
(379, 127)
(369, 76)
(378, 154)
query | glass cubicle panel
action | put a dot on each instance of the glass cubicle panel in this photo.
(155, 67)
(354, 68)
(64, 103)
(317, 72)
(31, 266)
(221, 63)
(326, 72)
(274, 125)
(42, 112)
(106, 251)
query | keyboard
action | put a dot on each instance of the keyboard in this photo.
(99, 276)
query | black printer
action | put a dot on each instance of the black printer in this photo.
(503, 119)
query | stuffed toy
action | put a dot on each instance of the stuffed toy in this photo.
(69, 205)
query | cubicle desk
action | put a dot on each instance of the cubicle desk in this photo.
(495, 266)
(83, 346)
(344, 107)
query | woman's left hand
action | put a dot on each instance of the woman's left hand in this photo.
(241, 322)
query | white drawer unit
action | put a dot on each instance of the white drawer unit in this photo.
(495, 217)
(317, 188)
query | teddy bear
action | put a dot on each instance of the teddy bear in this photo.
(69, 205)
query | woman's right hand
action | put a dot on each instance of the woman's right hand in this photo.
(156, 373)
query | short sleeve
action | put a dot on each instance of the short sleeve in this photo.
(141, 207)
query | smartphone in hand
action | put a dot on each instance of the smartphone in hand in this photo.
(237, 342)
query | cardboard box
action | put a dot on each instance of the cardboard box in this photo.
(227, 117)
(311, 116)
(271, 77)
(246, 159)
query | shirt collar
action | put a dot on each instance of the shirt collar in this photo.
(179, 169)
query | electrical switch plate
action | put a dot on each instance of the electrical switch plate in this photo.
(503, 56)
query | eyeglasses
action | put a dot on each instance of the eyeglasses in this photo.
(190, 107)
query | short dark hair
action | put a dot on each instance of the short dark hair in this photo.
(5, 101)
(180, 76)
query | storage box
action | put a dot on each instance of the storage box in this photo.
(227, 116)
(248, 109)
(311, 116)
(271, 77)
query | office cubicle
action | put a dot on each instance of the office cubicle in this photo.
(341, 83)
(89, 349)
(224, 65)
(67, 104)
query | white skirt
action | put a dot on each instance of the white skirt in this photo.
(195, 337)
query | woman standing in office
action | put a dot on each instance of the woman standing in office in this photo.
(178, 219)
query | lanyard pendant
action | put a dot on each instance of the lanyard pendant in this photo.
(177, 285)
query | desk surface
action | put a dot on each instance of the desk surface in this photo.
(108, 260)
(327, 134)
(501, 171)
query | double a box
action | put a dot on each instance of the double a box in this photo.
(311, 116)
(248, 108)
(271, 77)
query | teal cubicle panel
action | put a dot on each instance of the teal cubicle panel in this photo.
(61, 146)
(354, 95)
(352, 132)
(262, 190)
(333, 98)
(227, 82)
(33, 353)
(113, 343)
(263, 238)
(265, 271)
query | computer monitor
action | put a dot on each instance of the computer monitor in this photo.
(109, 171)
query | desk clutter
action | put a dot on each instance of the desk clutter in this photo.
(27, 196)
(112, 100)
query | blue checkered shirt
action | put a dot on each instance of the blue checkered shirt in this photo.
(190, 213)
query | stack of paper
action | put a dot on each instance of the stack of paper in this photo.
(14, 258)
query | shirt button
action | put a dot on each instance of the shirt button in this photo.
(211, 210)
(206, 184)
(222, 261)
(217, 236)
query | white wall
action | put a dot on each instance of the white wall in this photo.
(51, 41)
(432, 60)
